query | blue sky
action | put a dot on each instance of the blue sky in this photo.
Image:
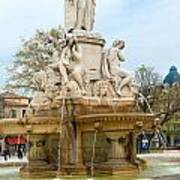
(150, 28)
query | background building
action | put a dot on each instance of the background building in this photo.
(172, 127)
(12, 106)
(172, 130)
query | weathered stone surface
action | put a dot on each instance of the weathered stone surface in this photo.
(83, 93)
(80, 14)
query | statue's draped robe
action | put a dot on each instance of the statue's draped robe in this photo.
(79, 14)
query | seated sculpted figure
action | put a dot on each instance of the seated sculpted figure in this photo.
(70, 65)
(111, 67)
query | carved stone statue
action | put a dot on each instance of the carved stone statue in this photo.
(45, 83)
(80, 14)
(70, 64)
(63, 63)
(39, 80)
(111, 67)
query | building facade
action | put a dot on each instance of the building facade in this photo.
(172, 130)
(12, 106)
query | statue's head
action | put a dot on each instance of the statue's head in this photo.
(71, 40)
(120, 44)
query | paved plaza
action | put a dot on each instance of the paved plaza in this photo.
(13, 161)
(161, 166)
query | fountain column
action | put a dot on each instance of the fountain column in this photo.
(79, 167)
(79, 150)
(117, 149)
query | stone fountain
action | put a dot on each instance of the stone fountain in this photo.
(84, 119)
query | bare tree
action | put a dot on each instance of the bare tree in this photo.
(35, 54)
(166, 102)
(147, 78)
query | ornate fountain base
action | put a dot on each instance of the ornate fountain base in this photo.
(117, 126)
(114, 121)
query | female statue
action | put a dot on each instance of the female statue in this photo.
(80, 14)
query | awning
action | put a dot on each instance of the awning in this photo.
(15, 140)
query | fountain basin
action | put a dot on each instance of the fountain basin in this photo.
(115, 121)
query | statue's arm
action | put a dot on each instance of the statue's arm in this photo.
(121, 57)
(77, 52)
(105, 65)
(64, 58)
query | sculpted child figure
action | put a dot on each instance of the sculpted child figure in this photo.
(70, 64)
(112, 69)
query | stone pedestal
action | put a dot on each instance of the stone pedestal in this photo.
(37, 145)
(118, 143)
(92, 48)
(119, 157)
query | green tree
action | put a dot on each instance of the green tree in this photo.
(147, 77)
(166, 102)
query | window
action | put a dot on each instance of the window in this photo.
(177, 127)
(23, 113)
(13, 113)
